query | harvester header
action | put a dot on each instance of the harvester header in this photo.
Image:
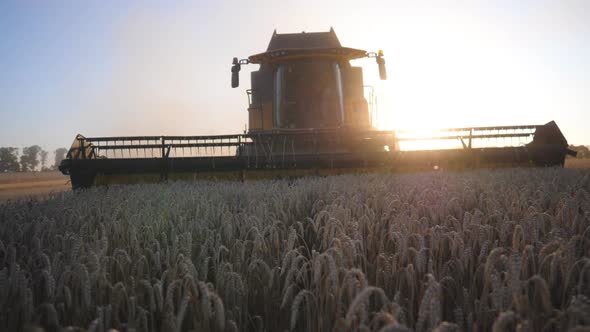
(309, 113)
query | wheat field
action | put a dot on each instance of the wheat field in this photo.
(502, 250)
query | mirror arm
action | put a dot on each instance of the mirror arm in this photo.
(380, 62)
(235, 71)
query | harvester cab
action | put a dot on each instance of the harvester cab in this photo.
(306, 81)
(307, 115)
(306, 88)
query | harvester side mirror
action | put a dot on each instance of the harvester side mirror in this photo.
(235, 73)
(381, 64)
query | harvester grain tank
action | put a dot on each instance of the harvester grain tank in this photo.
(307, 114)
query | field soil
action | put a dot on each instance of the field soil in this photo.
(32, 184)
(577, 163)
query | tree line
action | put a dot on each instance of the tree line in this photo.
(32, 158)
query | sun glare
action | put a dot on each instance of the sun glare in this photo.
(441, 75)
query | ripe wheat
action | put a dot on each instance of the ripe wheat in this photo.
(500, 250)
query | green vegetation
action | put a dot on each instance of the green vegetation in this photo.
(32, 158)
(9, 160)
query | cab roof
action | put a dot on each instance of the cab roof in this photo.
(291, 46)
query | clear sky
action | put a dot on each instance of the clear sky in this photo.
(105, 68)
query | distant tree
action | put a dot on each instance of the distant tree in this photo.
(60, 154)
(9, 160)
(583, 151)
(43, 155)
(29, 160)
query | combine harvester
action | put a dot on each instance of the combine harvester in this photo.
(307, 115)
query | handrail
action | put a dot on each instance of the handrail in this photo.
(158, 138)
(465, 136)
(157, 146)
(521, 127)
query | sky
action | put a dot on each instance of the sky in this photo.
(120, 68)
